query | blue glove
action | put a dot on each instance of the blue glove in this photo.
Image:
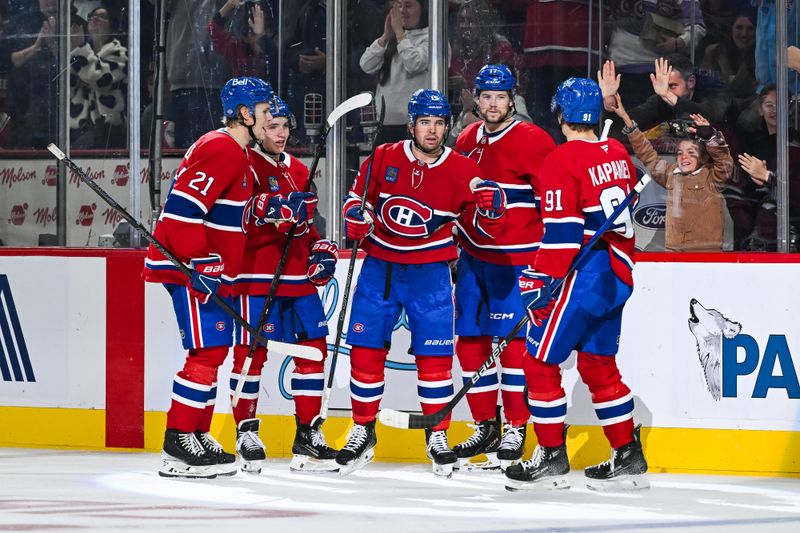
(357, 225)
(206, 277)
(302, 205)
(322, 262)
(536, 296)
(490, 199)
(267, 209)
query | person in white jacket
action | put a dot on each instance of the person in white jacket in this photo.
(399, 57)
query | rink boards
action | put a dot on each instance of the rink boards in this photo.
(709, 347)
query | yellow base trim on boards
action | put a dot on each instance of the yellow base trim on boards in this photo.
(750, 452)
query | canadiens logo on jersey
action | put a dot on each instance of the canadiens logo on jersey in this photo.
(272, 181)
(405, 216)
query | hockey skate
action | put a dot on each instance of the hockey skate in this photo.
(547, 469)
(359, 450)
(311, 452)
(511, 446)
(226, 462)
(484, 440)
(442, 457)
(184, 456)
(624, 471)
(251, 450)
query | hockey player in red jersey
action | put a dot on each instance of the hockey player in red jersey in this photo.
(296, 314)
(488, 303)
(202, 224)
(416, 190)
(582, 182)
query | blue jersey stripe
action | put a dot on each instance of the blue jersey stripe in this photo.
(180, 206)
(513, 379)
(226, 215)
(562, 233)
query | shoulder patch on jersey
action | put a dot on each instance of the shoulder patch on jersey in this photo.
(391, 174)
(273, 184)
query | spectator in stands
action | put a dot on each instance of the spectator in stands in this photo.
(639, 37)
(751, 197)
(399, 57)
(99, 83)
(242, 32)
(678, 91)
(477, 43)
(305, 62)
(694, 183)
(32, 86)
(196, 71)
(734, 59)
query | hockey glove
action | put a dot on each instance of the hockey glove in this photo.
(489, 199)
(358, 225)
(206, 277)
(302, 205)
(322, 262)
(268, 209)
(536, 296)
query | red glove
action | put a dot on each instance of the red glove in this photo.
(358, 225)
(536, 296)
(489, 199)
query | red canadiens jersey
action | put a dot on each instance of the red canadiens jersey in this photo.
(265, 244)
(582, 183)
(203, 213)
(414, 203)
(512, 157)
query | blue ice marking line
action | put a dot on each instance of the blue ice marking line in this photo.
(13, 348)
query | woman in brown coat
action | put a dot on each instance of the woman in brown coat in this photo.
(694, 183)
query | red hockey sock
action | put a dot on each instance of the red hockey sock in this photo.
(435, 385)
(308, 382)
(192, 389)
(366, 382)
(248, 400)
(482, 397)
(547, 401)
(611, 398)
(512, 383)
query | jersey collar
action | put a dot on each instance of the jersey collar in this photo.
(413, 159)
(283, 157)
(494, 136)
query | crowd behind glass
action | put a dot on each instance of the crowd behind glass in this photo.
(722, 53)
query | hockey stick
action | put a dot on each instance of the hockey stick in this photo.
(606, 129)
(314, 354)
(355, 102)
(326, 395)
(399, 419)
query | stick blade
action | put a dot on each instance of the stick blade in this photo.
(354, 102)
(295, 350)
(56, 151)
(395, 419)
